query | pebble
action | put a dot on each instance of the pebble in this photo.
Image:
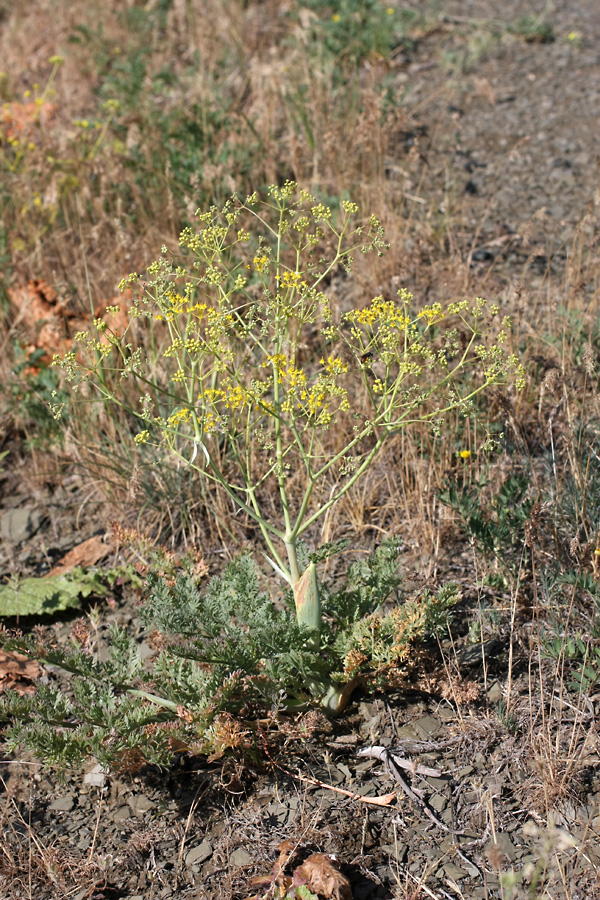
(63, 804)
(17, 525)
(121, 814)
(454, 872)
(199, 854)
(96, 776)
(139, 804)
(240, 857)
(427, 726)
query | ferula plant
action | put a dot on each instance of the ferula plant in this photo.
(266, 386)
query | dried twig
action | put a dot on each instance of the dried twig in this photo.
(393, 764)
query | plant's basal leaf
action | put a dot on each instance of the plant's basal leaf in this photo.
(45, 596)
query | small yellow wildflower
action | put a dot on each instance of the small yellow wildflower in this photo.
(181, 415)
(334, 365)
(431, 313)
(464, 454)
(279, 361)
(142, 437)
(390, 11)
(290, 279)
(336, 17)
(293, 377)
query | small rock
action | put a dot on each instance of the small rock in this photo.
(121, 814)
(199, 854)
(495, 693)
(63, 804)
(18, 525)
(454, 872)
(427, 726)
(139, 804)
(438, 802)
(240, 857)
(96, 776)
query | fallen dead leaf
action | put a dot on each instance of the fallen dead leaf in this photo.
(49, 323)
(276, 878)
(41, 313)
(21, 118)
(321, 875)
(17, 672)
(87, 553)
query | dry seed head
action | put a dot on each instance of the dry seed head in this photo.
(134, 487)
(533, 523)
(551, 381)
(80, 633)
(588, 359)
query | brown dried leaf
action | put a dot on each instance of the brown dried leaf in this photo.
(17, 672)
(321, 874)
(86, 554)
(42, 315)
(23, 118)
(277, 877)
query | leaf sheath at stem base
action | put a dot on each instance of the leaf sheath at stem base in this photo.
(308, 604)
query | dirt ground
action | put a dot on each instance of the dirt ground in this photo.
(508, 131)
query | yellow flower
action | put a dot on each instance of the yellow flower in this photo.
(431, 313)
(290, 279)
(336, 17)
(279, 361)
(464, 454)
(334, 365)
